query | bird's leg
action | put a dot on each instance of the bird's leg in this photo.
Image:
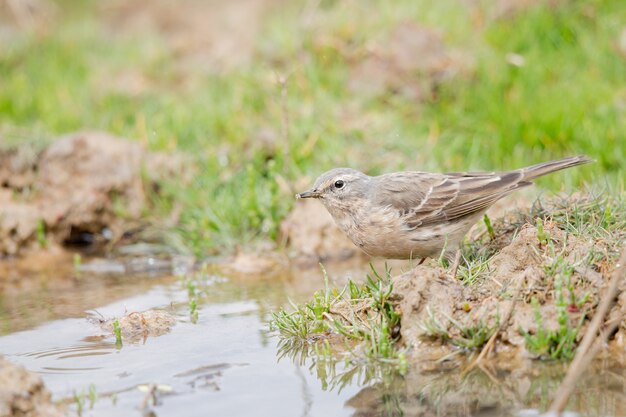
(456, 262)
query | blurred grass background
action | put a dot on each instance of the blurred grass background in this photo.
(297, 88)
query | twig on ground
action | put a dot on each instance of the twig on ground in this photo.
(587, 349)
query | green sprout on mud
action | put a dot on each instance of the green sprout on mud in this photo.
(193, 310)
(381, 328)
(306, 319)
(434, 329)
(81, 397)
(549, 343)
(191, 288)
(490, 230)
(117, 330)
(561, 271)
(542, 235)
(40, 232)
(600, 215)
(470, 337)
(474, 336)
(559, 343)
(472, 270)
(79, 400)
(77, 260)
(369, 317)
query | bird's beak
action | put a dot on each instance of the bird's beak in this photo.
(309, 194)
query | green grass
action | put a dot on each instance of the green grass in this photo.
(361, 313)
(470, 336)
(117, 330)
(567, 98)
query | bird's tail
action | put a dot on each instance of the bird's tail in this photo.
(534, 171)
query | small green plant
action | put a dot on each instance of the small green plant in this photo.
(473, 270)
(191, 288)
(306, 319)
(371, 317)
(434, 329)
(77, 261)
(470, 337)
(193, 310)
(381, 328)
(474, 336)
(542, 235)
(80, 398)
(92, 394)
(602, 215)
(553, 344)
(40, 232)
(490, 230)
(117, 330)
(562, 273)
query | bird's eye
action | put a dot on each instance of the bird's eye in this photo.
(339, 184)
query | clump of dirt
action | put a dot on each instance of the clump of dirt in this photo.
(312, 236)
(246, 264)
(79, 190)
(424, 291)
(23, 394)
(412, 60)
(202, 36)
(536, 264)
(137, 327)
(28, 15)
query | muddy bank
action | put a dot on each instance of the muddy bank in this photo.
(536, 280)
(532, 279)
(23, 394)
(82, 190)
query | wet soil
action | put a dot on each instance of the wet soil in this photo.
(23, 394)
(68, 195)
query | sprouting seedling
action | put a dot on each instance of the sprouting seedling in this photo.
(117, 329)
(490, 230)
(93, 396)
(191, 288)
(542, 235)
(79, 400)
(77, 260)
(193, 310)
(40, 232)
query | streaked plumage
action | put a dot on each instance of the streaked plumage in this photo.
(412, 214)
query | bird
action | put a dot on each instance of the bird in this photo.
(418, 215)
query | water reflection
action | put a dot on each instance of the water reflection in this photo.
(500, 387)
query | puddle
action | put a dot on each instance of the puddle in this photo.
(226, 363)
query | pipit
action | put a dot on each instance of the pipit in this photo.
(417, 215)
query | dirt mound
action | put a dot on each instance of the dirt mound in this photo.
(75, 191)
(203, 36)
(136, 327)
(547, 265)
(411, 60)
(23, 394)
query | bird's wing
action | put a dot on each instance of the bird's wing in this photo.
(422, 198)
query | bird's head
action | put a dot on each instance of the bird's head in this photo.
(338, 188)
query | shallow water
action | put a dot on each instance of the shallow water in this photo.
(227, 362)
